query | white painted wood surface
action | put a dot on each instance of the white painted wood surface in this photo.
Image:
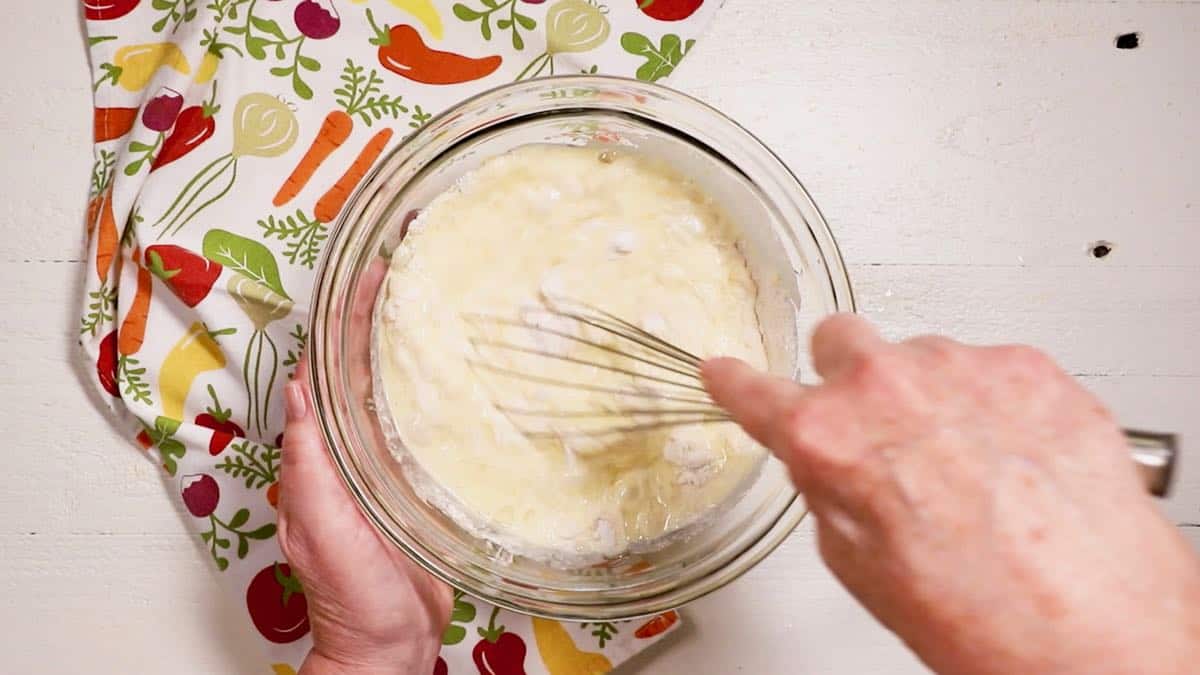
(966, 154)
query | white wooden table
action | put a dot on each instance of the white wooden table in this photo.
(967, 155)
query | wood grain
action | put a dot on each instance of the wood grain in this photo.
(966, 154)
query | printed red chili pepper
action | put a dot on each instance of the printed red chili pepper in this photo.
(217, 418)
(193, 126)
(106, 364)
(189, 276)
(402, 51)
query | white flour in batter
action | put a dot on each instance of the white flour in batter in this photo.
(523, 232)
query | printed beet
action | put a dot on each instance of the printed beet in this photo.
(200, 494)
(162, 110)
(317, 19)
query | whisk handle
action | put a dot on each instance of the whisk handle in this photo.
(1154, 454)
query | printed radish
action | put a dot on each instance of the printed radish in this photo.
(669, 10)
(200, 494)
(162, 110)
(193, 126)
(440, 667)
(190, 276)
(317, 19)
(277, 604)
(217, 419)
(107, 10)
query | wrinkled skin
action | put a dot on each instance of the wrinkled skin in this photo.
(372, 609)
(980, 503)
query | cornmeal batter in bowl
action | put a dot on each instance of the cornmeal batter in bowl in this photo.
(511, 457)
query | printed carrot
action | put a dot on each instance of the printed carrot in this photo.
(331, 204)
(334, 132)
(656, 626)
(133, 328)
(107, 238)
(112, 123)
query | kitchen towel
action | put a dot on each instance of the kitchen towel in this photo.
(203, 109)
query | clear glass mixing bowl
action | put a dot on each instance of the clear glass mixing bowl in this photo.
(788, 247)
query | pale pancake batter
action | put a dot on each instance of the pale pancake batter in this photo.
(523, 232)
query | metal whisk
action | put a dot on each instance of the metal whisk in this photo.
(662, 375)
(657, 371)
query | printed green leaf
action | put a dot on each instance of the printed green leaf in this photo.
(465, 13)
(265, 532)
(268, 26)
(239, 519)
(454, 634)
(463, 612)
(259, 302)
(246, 257)
(662, 60)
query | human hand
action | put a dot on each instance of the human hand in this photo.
(372, 610)
(979, 502)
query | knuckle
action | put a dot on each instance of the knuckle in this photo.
(940, 348)
(799, 423)
(874, 371)
(1027, 361)
(833, 326)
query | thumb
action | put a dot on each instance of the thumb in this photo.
(308, 480)
(758, 402)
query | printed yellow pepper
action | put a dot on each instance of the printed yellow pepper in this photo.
(560, 654)
(196, 352)
(208, 68)
(134, 65)
(423, 11)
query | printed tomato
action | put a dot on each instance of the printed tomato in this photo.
(277, 604)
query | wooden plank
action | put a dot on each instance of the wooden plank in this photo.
(974, 132)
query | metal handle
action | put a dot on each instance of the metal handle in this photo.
(1154, 455)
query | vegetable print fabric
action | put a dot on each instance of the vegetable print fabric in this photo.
(229, 135)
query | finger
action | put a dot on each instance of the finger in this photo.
(369, 283)
(308, 479)
(839, 341)
(757, 402)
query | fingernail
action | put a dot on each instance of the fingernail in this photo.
(297, 406)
